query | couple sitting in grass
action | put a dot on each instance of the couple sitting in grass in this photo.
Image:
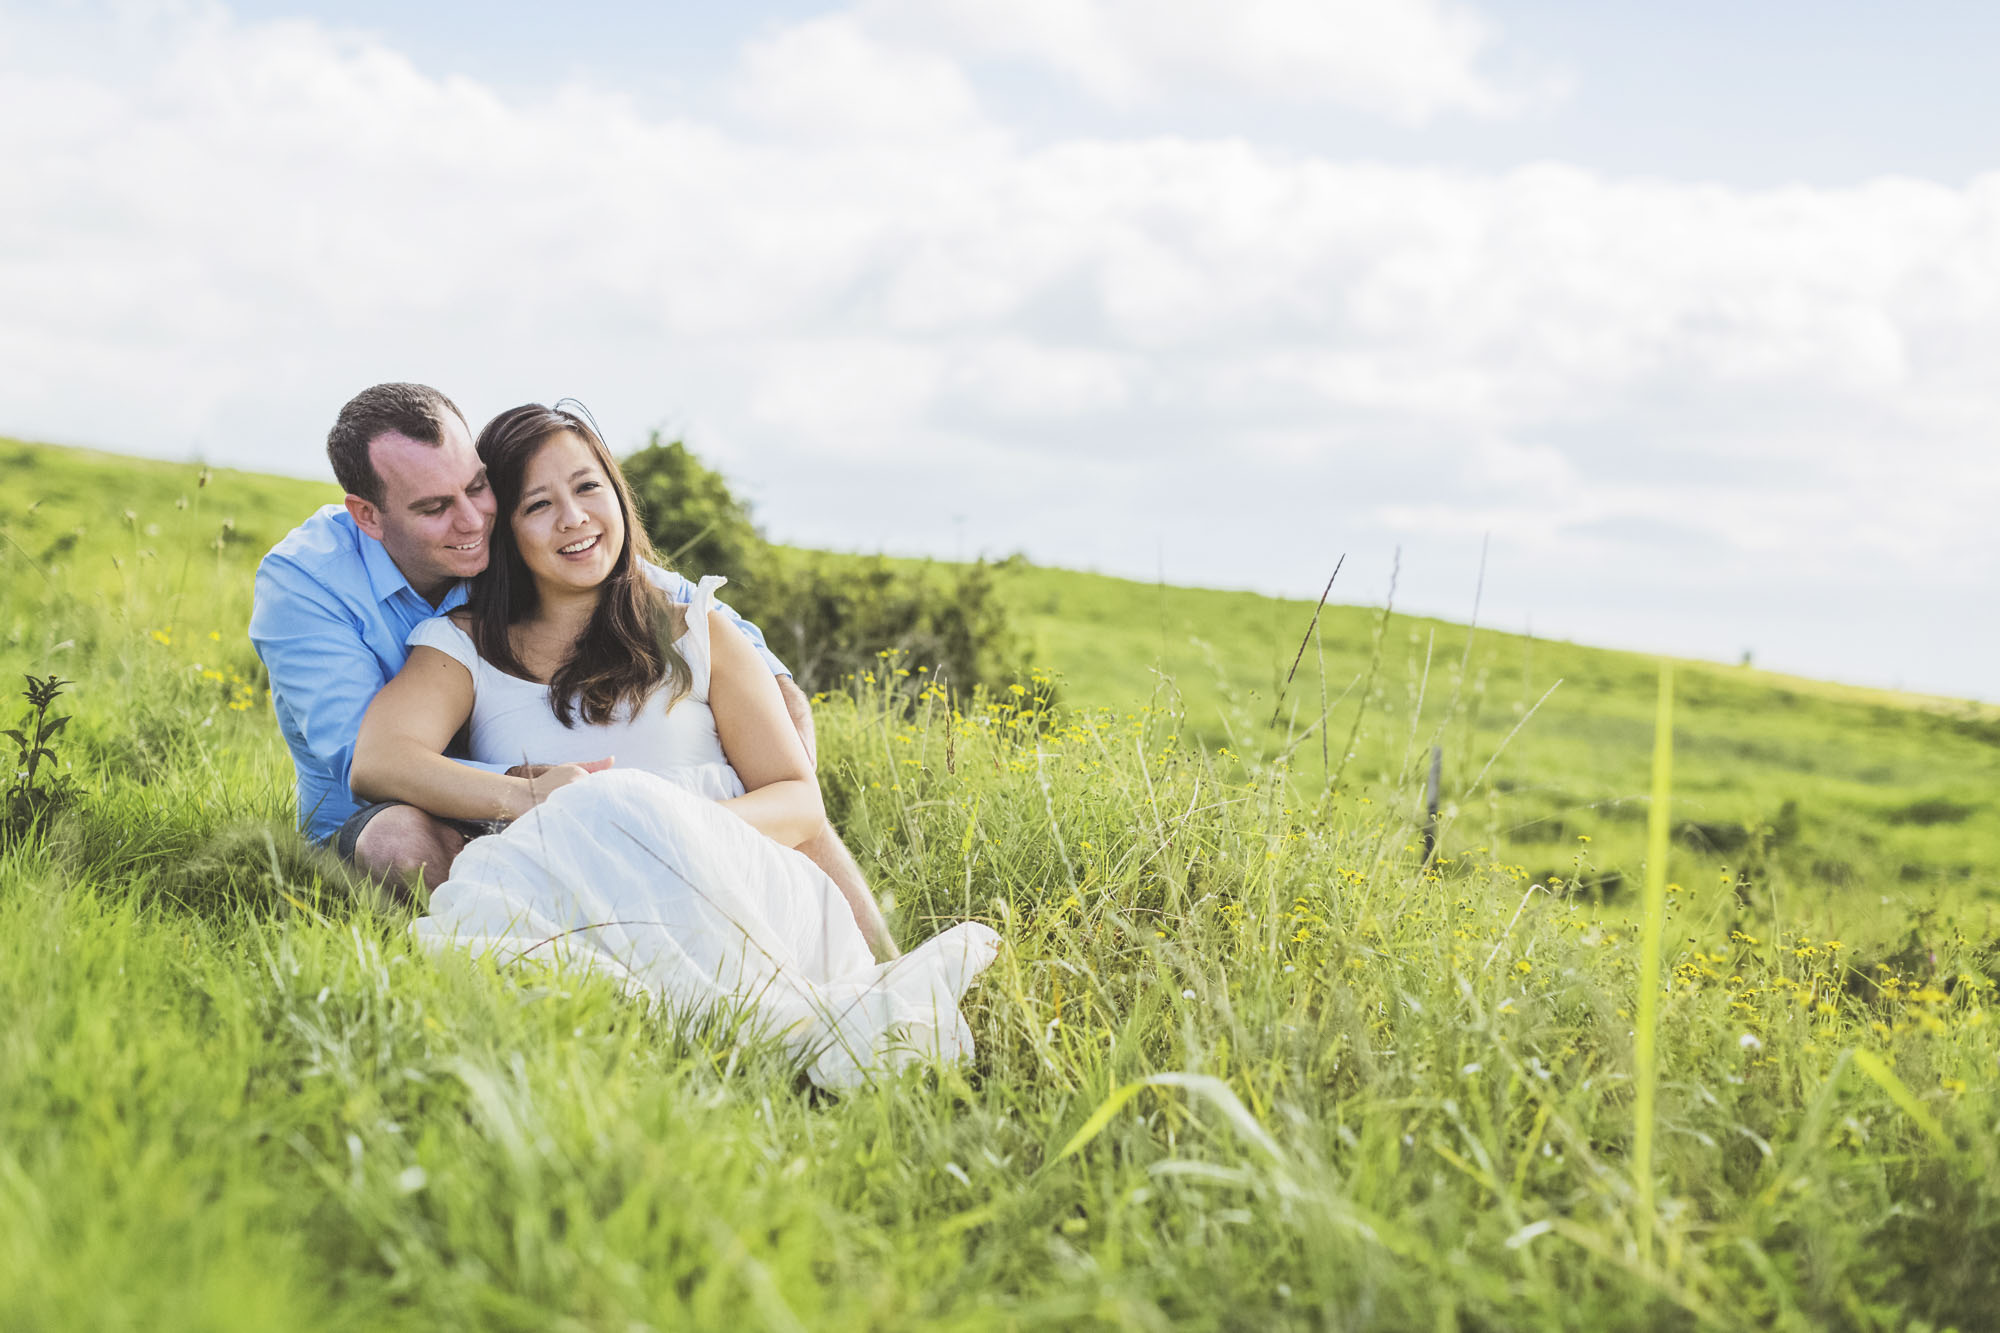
(635, 791)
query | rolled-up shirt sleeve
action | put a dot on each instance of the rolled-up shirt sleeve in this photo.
(323, 677)
(322, 673)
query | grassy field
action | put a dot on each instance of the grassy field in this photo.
(1831, 797)
(1245, 1061)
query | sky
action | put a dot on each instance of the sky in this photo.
(1687, 316)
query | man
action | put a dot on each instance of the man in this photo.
(337, 597)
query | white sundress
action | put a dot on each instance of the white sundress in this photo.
(639, 874)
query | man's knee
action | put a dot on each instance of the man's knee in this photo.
(403, 841)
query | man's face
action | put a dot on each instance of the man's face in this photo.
(436, 515)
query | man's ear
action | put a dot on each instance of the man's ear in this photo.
(365, 515)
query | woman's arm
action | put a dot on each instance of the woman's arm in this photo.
(399, 755)
(759, 740)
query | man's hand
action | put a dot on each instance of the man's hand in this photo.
(536, 770)
(543, 779)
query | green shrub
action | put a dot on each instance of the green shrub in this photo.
(693, 519)
(832, 618)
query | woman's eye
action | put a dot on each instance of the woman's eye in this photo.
(534, 506)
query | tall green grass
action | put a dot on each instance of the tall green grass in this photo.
(1829, 796)
(1247, 1060)
(1645, 1046)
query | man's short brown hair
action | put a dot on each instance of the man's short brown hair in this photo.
(415, 410)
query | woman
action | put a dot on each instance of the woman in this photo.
(672, 870)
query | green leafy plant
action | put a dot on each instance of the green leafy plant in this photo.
(832, 618)
(835, 620)
(695, 521)
(35, 792)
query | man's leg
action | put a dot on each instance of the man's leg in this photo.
(396, 843)
(830, 854)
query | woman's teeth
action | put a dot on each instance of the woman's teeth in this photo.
(577, 548)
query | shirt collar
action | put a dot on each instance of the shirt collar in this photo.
(385, 580)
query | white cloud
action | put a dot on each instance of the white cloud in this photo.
(849, 399)
(830, 79)
(1014, 377)
(1106, 352)
(1409, 60)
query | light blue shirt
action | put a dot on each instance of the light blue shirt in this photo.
(330, 619)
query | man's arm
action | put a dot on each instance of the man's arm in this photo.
(322, 672)
(399, 755)
(800, 709)
(827, 851)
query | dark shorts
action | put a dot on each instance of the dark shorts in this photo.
(344, 839)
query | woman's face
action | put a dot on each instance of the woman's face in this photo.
(566, 524)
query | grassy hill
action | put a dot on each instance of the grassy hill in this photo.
(1815, 789)
(1246, 1060)
(1832, 797)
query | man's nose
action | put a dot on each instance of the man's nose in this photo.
(466, 514)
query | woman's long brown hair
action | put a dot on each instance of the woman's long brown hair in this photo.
(625, 653)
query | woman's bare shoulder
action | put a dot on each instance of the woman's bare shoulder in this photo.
(727, 648)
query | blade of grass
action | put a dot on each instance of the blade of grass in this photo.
(1899, 1092)
(1310, 630)
(1645, 1055)
(1213, 1089)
